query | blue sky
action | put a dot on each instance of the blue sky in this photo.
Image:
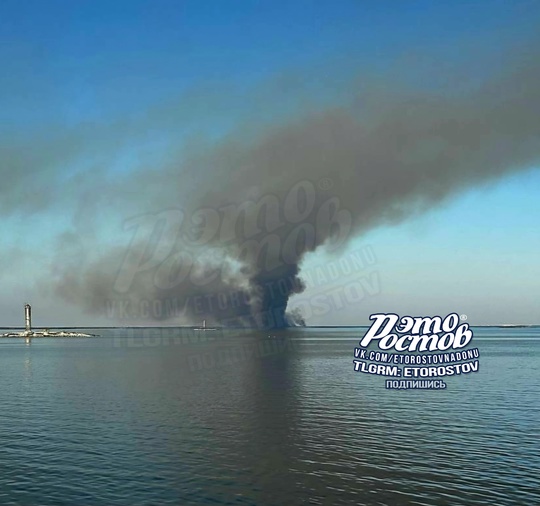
(476, 254)
(74, 72)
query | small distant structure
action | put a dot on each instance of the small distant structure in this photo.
(204, 327)
(27, 318)
(28, 332)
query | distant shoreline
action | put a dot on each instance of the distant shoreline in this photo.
(190, 327)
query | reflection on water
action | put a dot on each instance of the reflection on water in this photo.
(162, 417)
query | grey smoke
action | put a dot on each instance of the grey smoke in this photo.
(383, 156)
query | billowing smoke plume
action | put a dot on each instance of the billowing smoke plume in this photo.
(220, 232)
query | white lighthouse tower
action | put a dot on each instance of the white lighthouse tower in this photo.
(29, 333)
(27, 319)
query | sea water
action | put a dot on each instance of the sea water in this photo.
(170, 416)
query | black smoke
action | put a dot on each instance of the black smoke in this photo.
(257, 201)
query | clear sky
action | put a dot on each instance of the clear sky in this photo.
(97, 91)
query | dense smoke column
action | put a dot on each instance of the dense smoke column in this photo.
(389, 156)
(273, 291)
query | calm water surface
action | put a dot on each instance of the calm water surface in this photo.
(168, 416)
